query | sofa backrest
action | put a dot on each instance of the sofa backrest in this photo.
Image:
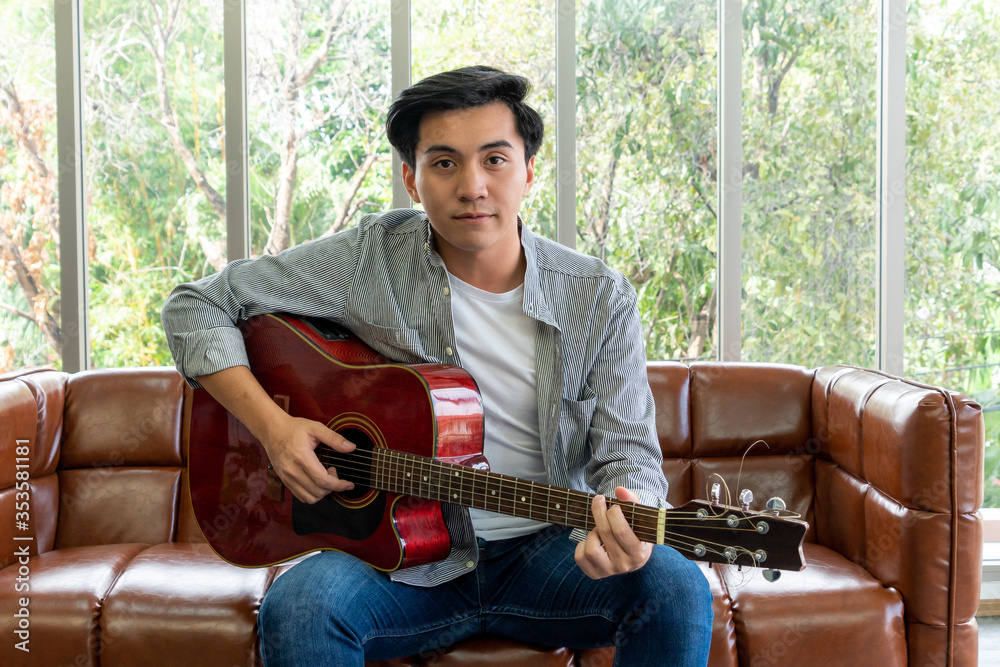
(29, 492)
(107, 460)
(745, 426)
(108, 449)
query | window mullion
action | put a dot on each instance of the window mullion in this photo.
(237, 164)
(74, 338)
(730, 253)
(891, 184)
(401, 59)
(566, 122)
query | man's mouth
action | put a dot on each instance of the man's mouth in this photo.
(475, 216)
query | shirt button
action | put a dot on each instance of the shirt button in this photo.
(447, 291)
(448, 351)
(470, 565)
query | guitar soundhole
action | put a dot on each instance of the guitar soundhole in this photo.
(354, 514)
(360, 471)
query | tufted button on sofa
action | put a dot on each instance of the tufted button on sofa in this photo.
(102, 562)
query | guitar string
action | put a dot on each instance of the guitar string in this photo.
(429, 465)
(436, 484)
(672, 538)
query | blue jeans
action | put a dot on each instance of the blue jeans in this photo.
(333, 609)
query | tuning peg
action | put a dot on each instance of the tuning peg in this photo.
(716, 494)
(775, 505)
(746, 497)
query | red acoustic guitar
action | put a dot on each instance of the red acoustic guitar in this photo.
(419, 431)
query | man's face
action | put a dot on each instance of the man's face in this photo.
(470, 175)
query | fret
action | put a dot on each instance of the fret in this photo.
(578, 507)
(438, 483)
(530, 506)
(423, 481)
(508, 494)
(524, 498)
(548, 504)
(409, 474)
(406, 471)
(562, 505)
(466, 486)
(492, 502)
(479, 483)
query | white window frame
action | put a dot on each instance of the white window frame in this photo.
(891, 160)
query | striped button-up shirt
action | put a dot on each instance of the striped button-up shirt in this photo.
(385, 282)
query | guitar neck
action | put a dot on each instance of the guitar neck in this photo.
(699, 530)
(408, 474)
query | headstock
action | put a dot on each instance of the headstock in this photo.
(716, 533)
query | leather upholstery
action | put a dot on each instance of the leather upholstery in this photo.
(887, 472)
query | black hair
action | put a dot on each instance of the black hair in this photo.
(462, 88)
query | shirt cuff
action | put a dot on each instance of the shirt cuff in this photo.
(210, 351)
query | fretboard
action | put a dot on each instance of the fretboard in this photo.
(413, 475)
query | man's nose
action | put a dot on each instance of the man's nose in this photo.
(472, 183)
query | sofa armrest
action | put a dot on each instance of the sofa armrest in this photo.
(898, 486)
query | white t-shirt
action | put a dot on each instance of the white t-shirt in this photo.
(496, 343)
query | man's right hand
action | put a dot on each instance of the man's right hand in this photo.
(290, 442)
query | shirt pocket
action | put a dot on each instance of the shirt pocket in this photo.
(574, 427)
(400, 345)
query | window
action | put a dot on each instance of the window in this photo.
(644, 193)
(154, 166)
(29, 214)
(953, 206)
(809, 206)
(318, 89)
(647, 168)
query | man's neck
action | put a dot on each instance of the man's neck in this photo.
(489, 276)
(496, 272)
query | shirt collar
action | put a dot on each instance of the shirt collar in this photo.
(535, 305)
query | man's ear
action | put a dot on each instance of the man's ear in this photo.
(409, 182)
(530, 176)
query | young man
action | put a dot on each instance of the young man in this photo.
(553, 339)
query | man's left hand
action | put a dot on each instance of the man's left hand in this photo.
(611, 547)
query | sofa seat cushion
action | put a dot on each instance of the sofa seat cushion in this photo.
(180, 604)
(65, 595)
(486, 652)
(831, 613)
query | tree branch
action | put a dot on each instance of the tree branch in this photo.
(319, 57)
(346, 205)
(168, 118)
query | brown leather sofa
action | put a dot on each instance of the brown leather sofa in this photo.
(102, 563)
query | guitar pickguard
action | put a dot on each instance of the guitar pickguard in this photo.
(329, 515)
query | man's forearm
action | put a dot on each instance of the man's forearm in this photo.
(238, 391)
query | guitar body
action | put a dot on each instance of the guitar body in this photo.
(327, 375)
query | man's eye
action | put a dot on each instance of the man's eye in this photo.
(444, 163)
(495, 160)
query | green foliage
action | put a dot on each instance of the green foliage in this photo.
(647, 155)
(647, 159)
